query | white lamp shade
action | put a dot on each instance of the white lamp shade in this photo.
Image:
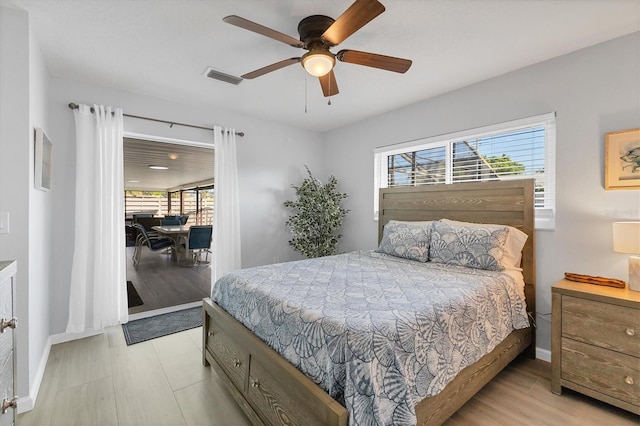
(626, 237)
(318, 64)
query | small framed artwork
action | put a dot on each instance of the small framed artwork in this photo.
(43, 154)
(622, 160)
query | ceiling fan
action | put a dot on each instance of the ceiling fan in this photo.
(319, 33)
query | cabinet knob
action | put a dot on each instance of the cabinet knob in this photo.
(255, 383)
(629, 380)
(236, 362)
(210, 333)
(9, 403)
(10, 323)
(630, 332)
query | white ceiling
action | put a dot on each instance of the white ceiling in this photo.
(186, 165)
(162, 48)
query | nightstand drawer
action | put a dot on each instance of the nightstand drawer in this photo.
(608, 372)
(601, 324)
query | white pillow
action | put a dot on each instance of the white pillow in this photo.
(512, 250)
(413, 222)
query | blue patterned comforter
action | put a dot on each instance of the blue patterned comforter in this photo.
(377, 332)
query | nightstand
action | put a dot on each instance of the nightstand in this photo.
(595, 342)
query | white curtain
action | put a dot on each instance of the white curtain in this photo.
(98, 296)
(226, 221)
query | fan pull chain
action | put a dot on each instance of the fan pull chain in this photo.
(305, 92)
(329, 103)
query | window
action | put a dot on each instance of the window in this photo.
(512, 150)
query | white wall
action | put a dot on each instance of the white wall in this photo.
(594, 91)
(40, 229)
(271, 157)
(15, 178)
(24, 84)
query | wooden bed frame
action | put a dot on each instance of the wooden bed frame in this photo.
(271, 391)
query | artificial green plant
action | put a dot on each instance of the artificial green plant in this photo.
(316, 217)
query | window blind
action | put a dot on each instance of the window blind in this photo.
(512, 150)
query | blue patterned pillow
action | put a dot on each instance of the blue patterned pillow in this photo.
(406, 240)
(470, 246)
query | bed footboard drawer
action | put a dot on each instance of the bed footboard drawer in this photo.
(228, 354)
(283, 401)
(267, 387)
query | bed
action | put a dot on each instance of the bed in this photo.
(271, 390)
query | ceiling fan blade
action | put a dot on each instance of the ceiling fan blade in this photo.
(329, 84)
(261, 29)
(374, 60)
(360, 13)
(270, 68)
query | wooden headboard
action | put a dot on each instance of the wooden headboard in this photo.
(507, 202)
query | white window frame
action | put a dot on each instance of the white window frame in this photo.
(544, 217)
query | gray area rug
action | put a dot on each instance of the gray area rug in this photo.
(161, 325)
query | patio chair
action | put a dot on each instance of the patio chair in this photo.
(137, 216)
(154, 243)
(198, 241)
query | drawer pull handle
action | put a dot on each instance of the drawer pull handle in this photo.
(629, 380)
(630, 332)
(255, 383)
(9, 403)
(237, 362)
(11, 323)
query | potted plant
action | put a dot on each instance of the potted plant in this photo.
(317, 216)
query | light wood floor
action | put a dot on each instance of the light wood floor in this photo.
(162, 283)
(101, 381)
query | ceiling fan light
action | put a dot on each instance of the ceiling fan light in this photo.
(318, 63)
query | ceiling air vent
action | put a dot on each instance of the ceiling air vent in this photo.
(218, 75)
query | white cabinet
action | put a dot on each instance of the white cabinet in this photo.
(8, 400)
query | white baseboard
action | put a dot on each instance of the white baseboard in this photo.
(161, 311)
(26, 403)
(543, 354)
(68, 337)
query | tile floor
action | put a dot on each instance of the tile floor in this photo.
(102, 381)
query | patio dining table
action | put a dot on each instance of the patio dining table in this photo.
(179, 235)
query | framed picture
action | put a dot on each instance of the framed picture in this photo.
(43, 151)
(622, 160)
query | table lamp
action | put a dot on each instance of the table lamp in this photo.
(626, 239)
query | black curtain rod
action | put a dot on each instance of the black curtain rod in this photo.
(170, 123)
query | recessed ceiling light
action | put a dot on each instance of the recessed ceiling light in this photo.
(158, 167)
(173, 156)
